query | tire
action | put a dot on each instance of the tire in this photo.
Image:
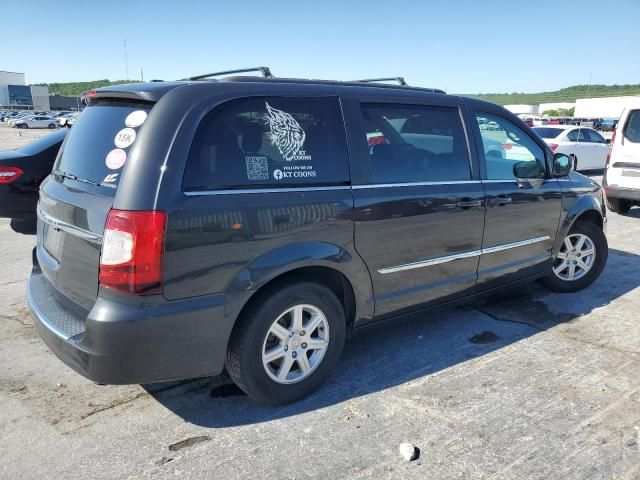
(251, 336)
(52, 126)
(599, 242)
(618, 205)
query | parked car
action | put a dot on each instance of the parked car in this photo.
(21, 173)
(621, 179)
(36, 121)
(607, 125)
(249, 223)
(586, 147)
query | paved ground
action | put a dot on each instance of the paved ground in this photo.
(11, 138)
(526, 385)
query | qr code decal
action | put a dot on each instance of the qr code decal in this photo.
(257, 168)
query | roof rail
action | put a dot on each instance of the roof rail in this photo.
(266, 73)
(401, 81)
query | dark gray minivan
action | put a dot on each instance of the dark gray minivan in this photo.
(253, 223)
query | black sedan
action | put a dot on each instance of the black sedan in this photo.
(21, 172)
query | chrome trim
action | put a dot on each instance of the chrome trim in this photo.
(521, 243)
(67, 227)
(449, 258)
(430, 262)
(265, 190)
(414, 184)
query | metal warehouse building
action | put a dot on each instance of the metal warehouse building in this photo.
(16, 94)
(606, 107)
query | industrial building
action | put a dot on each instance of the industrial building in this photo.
(16, 94)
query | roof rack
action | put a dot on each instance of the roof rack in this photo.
(266, 73)
(401, 81)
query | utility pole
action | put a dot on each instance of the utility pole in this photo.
(141, 75)
(126, 61)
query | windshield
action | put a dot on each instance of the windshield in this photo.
(548, 132)
(97, 146)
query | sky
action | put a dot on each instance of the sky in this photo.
(460, 46)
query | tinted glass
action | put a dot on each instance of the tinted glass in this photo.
(508, 145)
(97, 146)
(592, 136)
(548, 132)
(632, 127)
(269, 141)
(415, 143)
(576, 136)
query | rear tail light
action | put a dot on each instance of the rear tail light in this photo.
(613, 139)
(553, 146)
(507, 146)
(132, 251)
(9, 174)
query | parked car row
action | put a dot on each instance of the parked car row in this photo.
(31, 119)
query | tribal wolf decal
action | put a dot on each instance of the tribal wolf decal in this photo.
(286, 133)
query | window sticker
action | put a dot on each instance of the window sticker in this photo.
(295, 172)
(125, 137)
(286, 134)
(135, 119)
(116, 158)
(257, 168)
(109, 180)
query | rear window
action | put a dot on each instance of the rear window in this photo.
(548, 132)
(97, 146)
(269, 142)
(632, 127)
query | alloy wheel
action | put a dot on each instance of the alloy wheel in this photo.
(295, 344)
(576, 257)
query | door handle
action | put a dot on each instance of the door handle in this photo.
(500, 200)
(469, 203)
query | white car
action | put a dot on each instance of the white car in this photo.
(36, 121)
(621, 179)
(585, 146)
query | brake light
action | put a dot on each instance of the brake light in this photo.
(132, 251)
(613, 139)
(9, 174)
(507, 146)
(553, 146)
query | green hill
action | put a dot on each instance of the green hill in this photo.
(75, 89)
(569, 94)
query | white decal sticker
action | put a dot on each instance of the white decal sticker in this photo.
(135, 119)
(277, 174)
(257, 168)
(112, 177)
(116, 158)
(286, 134)
(125, 137)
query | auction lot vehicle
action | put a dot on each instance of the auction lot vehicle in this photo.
(21, 173)
(621, 179)
(35, 121)
(586, 147)
(252, 223)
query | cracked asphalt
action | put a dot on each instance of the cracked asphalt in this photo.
(528, 384)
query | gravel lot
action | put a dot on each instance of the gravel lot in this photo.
(11, 138)
(529, 384)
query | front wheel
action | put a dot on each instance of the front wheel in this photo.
(287, 342)
(52, 126)
(580, 261)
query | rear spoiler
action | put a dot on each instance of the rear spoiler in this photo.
(137, 92)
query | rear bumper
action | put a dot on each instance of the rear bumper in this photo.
(148, 340)
(17, 204)
(622, 193)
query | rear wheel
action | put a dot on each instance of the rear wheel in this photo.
(287, 342)
(618, 205)
(581, 258)
(52, 125)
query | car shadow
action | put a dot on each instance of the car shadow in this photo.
(395, 353)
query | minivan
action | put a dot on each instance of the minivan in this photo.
(621, 180)
(251, 224)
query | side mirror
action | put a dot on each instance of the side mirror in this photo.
(527, 169)
(562, 165)
(607, 141)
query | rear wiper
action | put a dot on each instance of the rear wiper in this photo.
(70, 176)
